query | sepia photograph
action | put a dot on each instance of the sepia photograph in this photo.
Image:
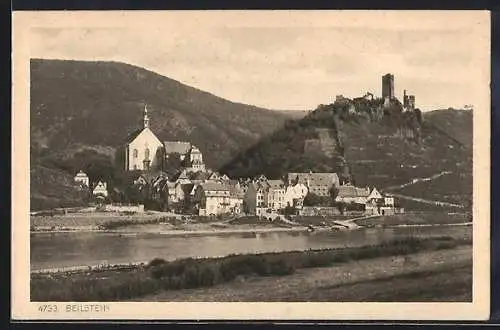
(291, 160)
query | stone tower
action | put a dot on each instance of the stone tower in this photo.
(388, 86)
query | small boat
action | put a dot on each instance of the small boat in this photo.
(310, 228)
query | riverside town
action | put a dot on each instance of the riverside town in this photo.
(162, 192)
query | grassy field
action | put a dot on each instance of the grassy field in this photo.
(415, 218)
(414, 206)
(160, 276)
(452, 188)
(444, 275)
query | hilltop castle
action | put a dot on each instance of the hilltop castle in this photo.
(144, 151)
(388, 93)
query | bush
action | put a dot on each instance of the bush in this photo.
(281, 267)
(156, 262)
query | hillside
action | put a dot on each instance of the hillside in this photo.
(77, 104)
(366, 144)
(82, 107)
(455, 123)
(295, 114)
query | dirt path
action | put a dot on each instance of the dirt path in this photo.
(444, 275)
(426, 201)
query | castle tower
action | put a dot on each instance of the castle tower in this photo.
(405, 100)
(146, 117)
(411, 102)
(388, 86)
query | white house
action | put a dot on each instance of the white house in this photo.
(213, 198)
(317, 183)
(82, 178)
(275, 194)
(100, 189)
(295, 194)
(351, 194)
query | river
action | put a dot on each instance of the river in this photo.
(57, 250)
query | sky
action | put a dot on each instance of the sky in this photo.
(287, 60)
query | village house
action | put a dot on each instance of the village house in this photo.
(183, 177)
(183, 192)
(320, 184)
(379, 205)
(373, 202)
(171, 192)
(196, 160)
(150, 178)
(275, 194)
(100, 189)
(294, 195)
(189, 154)
(236, 195)
(350, 194)
(256, 197)
(82, 179)
(154, 186)
(263, 195)
(215, 199)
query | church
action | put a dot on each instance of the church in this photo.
(144, 151)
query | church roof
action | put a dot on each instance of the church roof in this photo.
(187, 187)
(134, 134)
(236, 192)
(213, 186)
(315, 179)
(351, 191)
(200, 176)
(179, 147)
(276, 184)
(152, 176)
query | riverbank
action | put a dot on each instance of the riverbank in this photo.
(157, 276)
(161, 223)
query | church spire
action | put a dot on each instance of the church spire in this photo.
(146, 117)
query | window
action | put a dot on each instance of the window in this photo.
(135, 167)
(146, 153)
(135, 153)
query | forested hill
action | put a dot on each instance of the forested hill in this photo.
(455, 123)
(76, 104)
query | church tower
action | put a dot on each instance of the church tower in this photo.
(146, 117)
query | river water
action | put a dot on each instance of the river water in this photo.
(56, 250)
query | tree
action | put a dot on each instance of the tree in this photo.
(418, 114)
(334, 191)
(341, 206)
(312, 199)
(173, 163)
(289, 210)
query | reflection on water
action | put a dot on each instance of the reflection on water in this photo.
(75, 249)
